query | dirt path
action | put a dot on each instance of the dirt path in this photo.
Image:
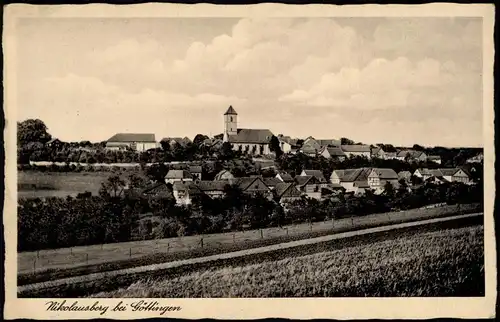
(165, 266)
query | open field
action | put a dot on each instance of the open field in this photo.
(59, 263)
(440, 263)
(58, 184)
(110, 281)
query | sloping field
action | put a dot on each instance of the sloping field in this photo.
(440, 263)
(32, 184)
(87, 284)
(59, 263)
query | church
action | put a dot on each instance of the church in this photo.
(252, 141)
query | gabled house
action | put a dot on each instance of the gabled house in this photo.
(476, 159)
(287, 144)
(426, 173)
(157, 190)
(195, 171)
(353, 180)
(449, 174)
(184, 192)
(356, 150)
(411, 155)
(309, 185)
(178, 176)
(177, 141)
(287, 192)
(253, 185)
(213, 189)
(377, 152)
(390, 155)
(133, 141)
(317, 174)
(333, 153)
(378, 178)
(312, 147)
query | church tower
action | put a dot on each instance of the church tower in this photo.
(230, 122)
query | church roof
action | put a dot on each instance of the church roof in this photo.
(231, 111)
(259, 136)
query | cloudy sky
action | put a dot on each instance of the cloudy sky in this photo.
(391, 80)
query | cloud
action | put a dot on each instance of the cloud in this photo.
(287, 74)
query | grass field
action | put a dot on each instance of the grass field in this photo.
(448, 262)
(58, 184)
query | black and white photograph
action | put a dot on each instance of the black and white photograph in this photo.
(168, 157)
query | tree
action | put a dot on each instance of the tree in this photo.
(417, 147)
(165, 145)
(113, 187)
(274, 146)
(199, 138)
(227, 151)
(388, 189)
(346, 141)
(32, 130)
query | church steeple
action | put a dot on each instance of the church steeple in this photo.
(230, 111)
(230, 123)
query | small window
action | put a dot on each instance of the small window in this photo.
(231, 118)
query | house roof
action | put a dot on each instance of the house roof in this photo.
(335, 151)
(219, 175)
(385, 173)
(245, 182)
(230, 111)
(285, 177)
(259, 136)
(195, 169)
(352, 175)
(448, 171)
(178, 174)
(433, 157)
(410, 153)
(376, 150)
(308, 148)
(133, 137)
(304, 180)
(361, 184)
(206, 185)
(271, 182)
(178, 140)
(353, 148)
(317, 174)
(186, 186)
(287, 189)
(328, 142)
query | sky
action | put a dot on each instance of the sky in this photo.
(400, 81)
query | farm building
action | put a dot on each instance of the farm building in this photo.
(134, 141)
(357, 150)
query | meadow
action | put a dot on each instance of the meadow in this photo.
(448, 262)
(32, 184)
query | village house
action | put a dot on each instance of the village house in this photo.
(271, 182)
(251, 141)
(476, 159)
(254, 185)
(448, 174)
(184, 192)
(287, 192)
(353, 180)
(356, 150)
(411, 155)
(390, 155)
(213, 189)
(318, 175)
(309, 185)
(134, 141)
(333, 153)
(157, 190)
(377, 152)
(287, 144)
(178, 176)
(434, 158)
(224, 175)
(379, 177)
(195, 171)
(284, 177)
(172, 142)
(312, 146)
